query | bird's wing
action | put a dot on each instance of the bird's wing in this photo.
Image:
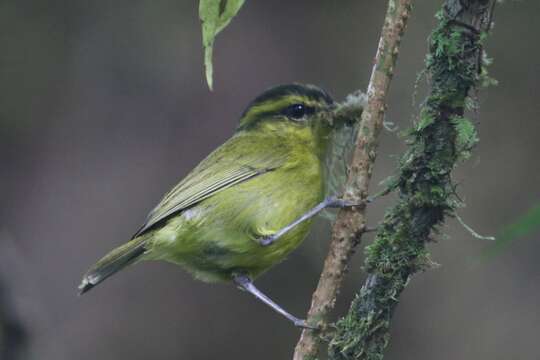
(238, 160)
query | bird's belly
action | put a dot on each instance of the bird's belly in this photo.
(218, 236)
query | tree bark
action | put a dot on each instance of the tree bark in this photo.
(350, 223)
(438, 141)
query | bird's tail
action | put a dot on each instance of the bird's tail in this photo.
(114, 261)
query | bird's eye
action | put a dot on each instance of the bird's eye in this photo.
(297, 111)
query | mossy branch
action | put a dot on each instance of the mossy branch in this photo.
(438, 141)
(350, 223)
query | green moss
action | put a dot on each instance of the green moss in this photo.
(426, 119)
(441, 138)
(466, 137)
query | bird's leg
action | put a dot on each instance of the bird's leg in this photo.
(245, 283)
(329, 202)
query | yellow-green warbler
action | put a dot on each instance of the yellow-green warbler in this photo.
(247, 205)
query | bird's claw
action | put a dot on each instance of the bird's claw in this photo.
(266, 240)
(304, 325)
(342, 203)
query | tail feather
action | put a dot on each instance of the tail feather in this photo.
(114, 261)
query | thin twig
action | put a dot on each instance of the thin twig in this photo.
(441, 138)
(471, 230)
(350, 223)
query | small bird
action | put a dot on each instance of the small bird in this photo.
(248, 204)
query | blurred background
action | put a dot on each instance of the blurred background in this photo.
(103, 107)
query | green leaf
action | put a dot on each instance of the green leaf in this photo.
(523, 226)
(466, 137)
(215, 15)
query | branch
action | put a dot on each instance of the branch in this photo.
(441, 138)
(350, 223)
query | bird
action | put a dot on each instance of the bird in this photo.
(248, 204)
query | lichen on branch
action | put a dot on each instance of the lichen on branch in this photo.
(437, 142)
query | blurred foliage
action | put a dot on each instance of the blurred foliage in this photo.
(33, 43)
(523, 226)
(215, 16)
(12, 334)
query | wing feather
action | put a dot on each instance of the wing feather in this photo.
(236, 161)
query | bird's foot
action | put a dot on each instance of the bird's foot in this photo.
(266, 240)
(304, 325)
(340, 203)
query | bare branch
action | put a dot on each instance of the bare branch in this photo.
(350, 223)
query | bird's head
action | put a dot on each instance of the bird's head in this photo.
(291, 106)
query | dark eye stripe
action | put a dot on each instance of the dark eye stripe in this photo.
(298, 111)
(273, 102)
